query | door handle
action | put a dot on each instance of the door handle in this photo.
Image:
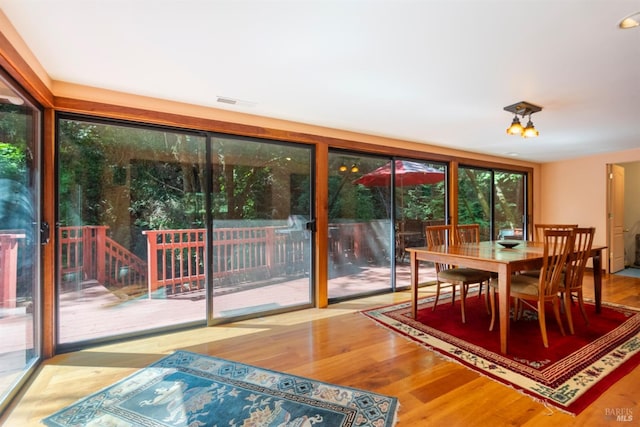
(45, 233)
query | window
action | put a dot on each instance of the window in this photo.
(20, 121)
(494, 199)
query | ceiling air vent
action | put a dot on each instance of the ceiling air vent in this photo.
(234, 101)
(227, 100)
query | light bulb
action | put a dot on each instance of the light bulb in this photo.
(530, 131)
(515, 128)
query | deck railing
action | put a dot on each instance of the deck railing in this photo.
(176, 259)
(86, 253)
(9, 245)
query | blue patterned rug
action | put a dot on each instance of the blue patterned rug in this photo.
(189, 389)
(629, 272)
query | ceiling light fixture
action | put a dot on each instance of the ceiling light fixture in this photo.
(354, 168)
(522, 109)
(630, 21)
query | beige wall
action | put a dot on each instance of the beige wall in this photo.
(576, 190)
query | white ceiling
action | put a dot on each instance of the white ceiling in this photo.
(432, 71)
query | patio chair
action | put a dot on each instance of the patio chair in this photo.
(409, 233)
(452, 276)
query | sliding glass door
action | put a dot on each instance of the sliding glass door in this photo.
(495, 199)
(420, 201)
(131, 229)
(360, 225)
(20, 124)
(161, 228)
(261, 260)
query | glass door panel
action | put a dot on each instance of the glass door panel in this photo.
(20, 122)
(475, 199)
(261, 257)
(494, 199)
(420, 197)
(360, 252)
(509, 205)
(131, 234)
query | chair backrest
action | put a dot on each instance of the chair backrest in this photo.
(439, 235)
(577, 259)
(557, 246)
(468, 233)
(539, 229)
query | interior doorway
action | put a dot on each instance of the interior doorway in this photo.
(623, 221)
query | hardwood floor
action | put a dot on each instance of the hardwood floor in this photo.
(337, 345)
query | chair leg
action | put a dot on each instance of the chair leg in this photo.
(556, 312)
(435, 302)
(582, 309)
(453, 294)
(464, 289)
(543, 324)
(486, 297)
(492, 299)
(518, 309)
(567, 308)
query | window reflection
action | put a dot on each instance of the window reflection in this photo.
(19, 239)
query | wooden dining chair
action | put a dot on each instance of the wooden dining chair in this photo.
(539, 229)
(452, 276)
(538, 236)
(470, 233)
(574, 273)
(536, 292)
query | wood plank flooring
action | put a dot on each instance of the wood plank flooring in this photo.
(337, 345)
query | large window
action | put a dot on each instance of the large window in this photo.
(420, 201)
(20, 303)
(378, 207)
(262, 208)
(495, 199)
(130, 229)
(360, 219)
(161, 228)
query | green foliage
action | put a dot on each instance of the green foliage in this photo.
(12, 162)
(81, 162)
(486, 196)
(15, 122)
(423, 202)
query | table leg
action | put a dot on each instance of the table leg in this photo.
(597, 279)
(504, 297)
(413, 258)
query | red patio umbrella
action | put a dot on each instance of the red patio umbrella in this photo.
(407, 174)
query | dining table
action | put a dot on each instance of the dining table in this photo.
(493, 257)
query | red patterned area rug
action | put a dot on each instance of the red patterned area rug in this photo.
(569, 375)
